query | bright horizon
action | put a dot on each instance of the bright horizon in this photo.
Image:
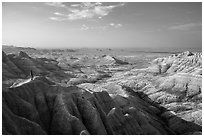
(145, 26)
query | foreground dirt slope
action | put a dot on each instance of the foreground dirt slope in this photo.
(41, 107)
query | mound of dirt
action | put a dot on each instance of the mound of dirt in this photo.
(107, 59)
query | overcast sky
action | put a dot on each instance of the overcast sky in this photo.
(152, 26)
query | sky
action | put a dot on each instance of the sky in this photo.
(153, 26)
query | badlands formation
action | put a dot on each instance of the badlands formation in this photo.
(104, 94)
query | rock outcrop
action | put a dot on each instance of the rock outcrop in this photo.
(109, 60)
(41, 107)
(19, 66)
(179, 92)
(165, 98)
(15, 50)
(185, 62)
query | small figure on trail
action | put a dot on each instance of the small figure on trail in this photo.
(31, 74)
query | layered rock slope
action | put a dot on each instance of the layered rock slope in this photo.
(41, 107)
(153, 100)
(104, 60)
(19, 66)
(178, 91)
(185, 62)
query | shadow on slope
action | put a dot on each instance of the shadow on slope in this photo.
(178, 125)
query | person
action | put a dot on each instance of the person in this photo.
(31, 74)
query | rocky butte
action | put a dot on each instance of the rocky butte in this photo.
(162, 99)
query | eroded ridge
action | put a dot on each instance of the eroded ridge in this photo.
(136, 101)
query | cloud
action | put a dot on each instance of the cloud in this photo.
(75, 5)
(57, 18)
(59, 14)
(183, 27)
(55, 4)
(115, 25)
(84, 27)
(110, 25)
(86, 10)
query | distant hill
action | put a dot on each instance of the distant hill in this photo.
(15, 50)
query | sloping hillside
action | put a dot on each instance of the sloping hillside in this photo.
(19, 67)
